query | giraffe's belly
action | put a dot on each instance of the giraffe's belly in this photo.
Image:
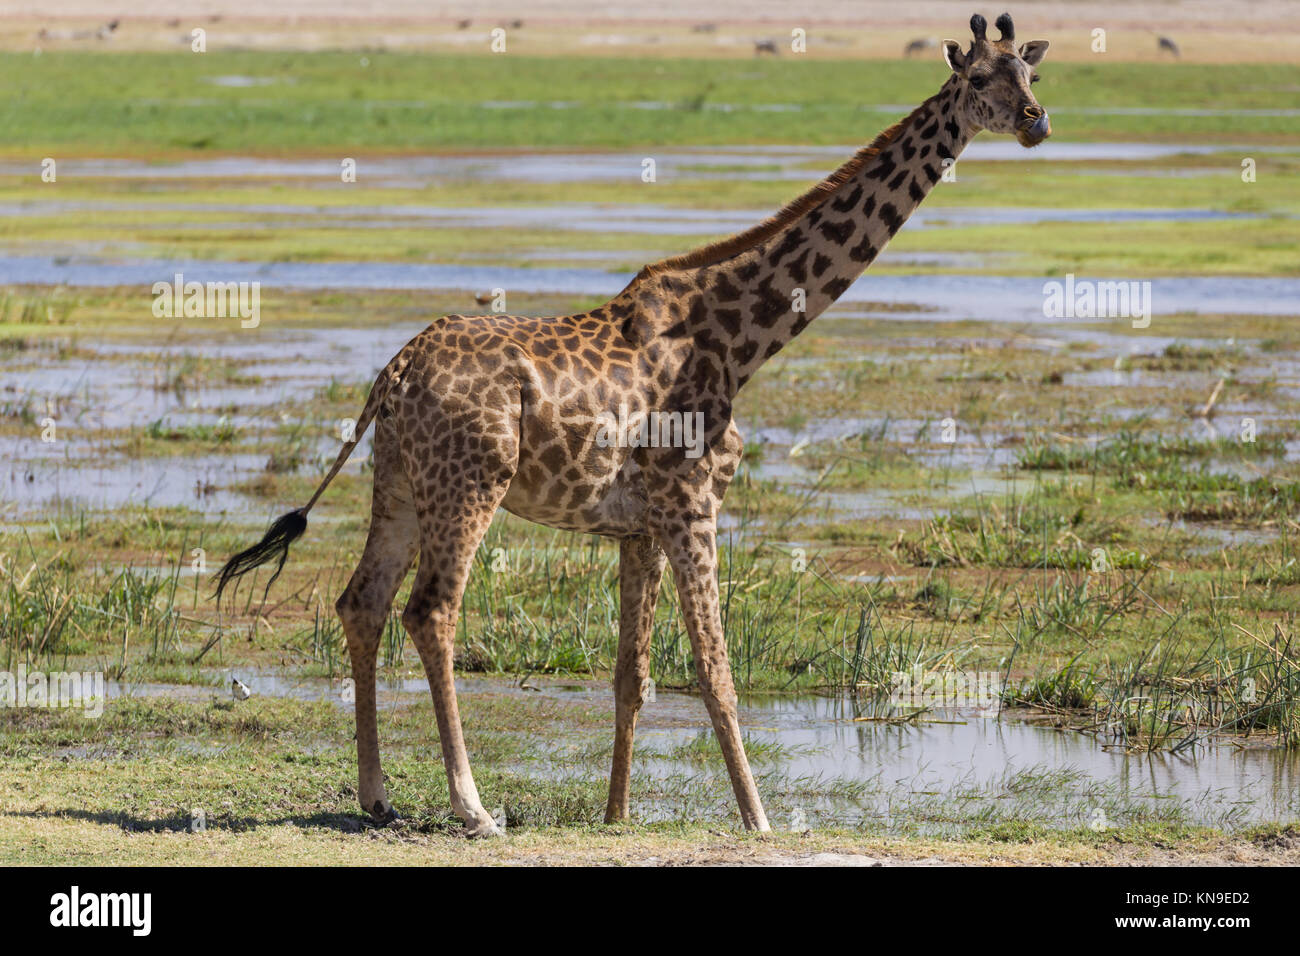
(614, 506)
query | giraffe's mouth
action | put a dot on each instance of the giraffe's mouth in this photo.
(1034, 132)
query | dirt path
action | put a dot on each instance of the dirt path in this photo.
(33, 837)
(1205, 30)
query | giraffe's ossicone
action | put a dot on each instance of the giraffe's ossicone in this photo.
(618, 422)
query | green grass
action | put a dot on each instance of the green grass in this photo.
(220, 433)
(151, 766)
(1134, 449)
(1178, 469)
(63, 103)
(49, 614)
(1266, 246)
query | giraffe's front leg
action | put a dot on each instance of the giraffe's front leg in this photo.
(640, 569)
(691, 546)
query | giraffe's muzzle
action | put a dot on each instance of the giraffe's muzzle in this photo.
(1037, 128)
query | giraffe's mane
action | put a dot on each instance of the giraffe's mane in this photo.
(716, 252)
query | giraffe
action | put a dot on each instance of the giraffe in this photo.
(478, 413)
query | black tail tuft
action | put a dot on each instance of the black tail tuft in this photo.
(286, 530)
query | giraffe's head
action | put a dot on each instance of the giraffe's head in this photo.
(995, 77)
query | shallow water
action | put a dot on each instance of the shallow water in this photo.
(122, 385)
(44, 487)
(941, 297)
(962, 755)
(765, 162)
(119, 387)
(642, 218)
(972, 752)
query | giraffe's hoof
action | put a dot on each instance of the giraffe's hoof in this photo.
(382, 814)
(481, 829)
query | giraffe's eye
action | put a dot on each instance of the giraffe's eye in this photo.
(979, 82)
(1034, 78)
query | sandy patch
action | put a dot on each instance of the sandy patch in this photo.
(1266, 31)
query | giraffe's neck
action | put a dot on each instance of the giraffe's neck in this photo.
(751, 300)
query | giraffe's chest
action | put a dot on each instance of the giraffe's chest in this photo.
(576, 468)
(581, 462)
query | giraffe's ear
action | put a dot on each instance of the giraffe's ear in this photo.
(1033, 52)
(953, 55)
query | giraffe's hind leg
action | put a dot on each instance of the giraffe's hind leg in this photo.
(456, 495)
(364, 605)
(447, 546)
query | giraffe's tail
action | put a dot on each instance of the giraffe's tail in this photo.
(288, 528)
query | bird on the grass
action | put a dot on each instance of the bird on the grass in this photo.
(919, 45)
(239, 690)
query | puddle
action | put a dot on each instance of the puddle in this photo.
(740, 162)
(235, 81)
(637, 218)
(42, 487)
(118, 387)
(939, 494)
(1216, 538)
(986, 447)
(941, 297)
(937, 216)
(978, 754)
(872, 768)
(93, 398)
